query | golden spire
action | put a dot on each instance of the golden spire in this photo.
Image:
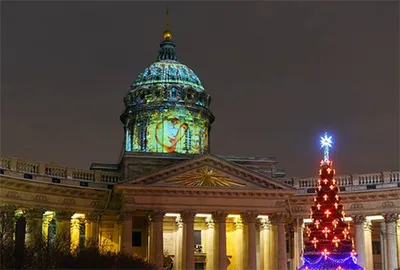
(167, 33)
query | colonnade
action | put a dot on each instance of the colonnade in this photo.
(66, 225)
(260, 242)
(250, 230)
(389, 241)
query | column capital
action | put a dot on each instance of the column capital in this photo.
(179, 222)
(210, 223)
(34, 213)
(64, 215)
(92, 216)
(297, 221)
(157, 216)
(219, 216)
(7, 208)
(390, 217)
(249, 217)
(358, 219)
(125, 215)
(188, 216)
(238, 223)
(265, 223)
(367, 225)
(278, 218)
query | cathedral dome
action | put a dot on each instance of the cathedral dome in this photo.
(167, 80)
(167, 109)
(168, 72)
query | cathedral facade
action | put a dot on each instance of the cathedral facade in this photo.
(171, 201)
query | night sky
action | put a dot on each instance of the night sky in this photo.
(279, 73)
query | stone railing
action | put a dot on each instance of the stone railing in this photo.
(55, 171)
(350, 182)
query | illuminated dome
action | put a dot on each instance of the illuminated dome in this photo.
(168, 72)
(167, 107)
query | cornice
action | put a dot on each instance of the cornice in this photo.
(27, 194)
(50, 189)
(372, 195)
(372, 202)
(205, 192)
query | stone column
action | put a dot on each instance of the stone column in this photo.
(297, 242)
(220, 219)
(273, 244)
(239, 243)
(92, 229)
(258, 246)
(188, 222)
(390, 220)
(383, 246)
(280, 221)
(368, 245)
(7, 219)
(75, 232)
(125, 219)
(301, 241)
(265, 234)
(178, 258)
(157, 217)
(360, 240)
(34, 221)
(63, 228)
(211, 265)
(249, 219)
(150, 242)
(398, 242)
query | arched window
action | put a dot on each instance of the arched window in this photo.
(173, 93)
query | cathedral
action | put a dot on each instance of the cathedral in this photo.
(171, 201)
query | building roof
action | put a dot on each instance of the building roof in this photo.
(167, 70)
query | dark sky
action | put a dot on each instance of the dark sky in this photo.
(279, 73)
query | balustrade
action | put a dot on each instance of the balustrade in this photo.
(5, 163)
(351, 181)
(55, 171)
(394, 177)
(380, 180)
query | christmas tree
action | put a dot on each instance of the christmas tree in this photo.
(329, 245)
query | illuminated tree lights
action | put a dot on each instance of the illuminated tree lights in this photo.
(329, 245)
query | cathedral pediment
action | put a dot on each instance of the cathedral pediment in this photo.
(208, 171)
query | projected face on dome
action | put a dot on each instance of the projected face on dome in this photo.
(169, 131)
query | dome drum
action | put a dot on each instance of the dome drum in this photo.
(167, 129)
(171, 93)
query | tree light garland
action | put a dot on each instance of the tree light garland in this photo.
(329, 245)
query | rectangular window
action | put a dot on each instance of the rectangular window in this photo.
(199, 266)
(287, 246)
(376, 247)
(197, 237)
(28, 176)
(55, 180)
(136, 239)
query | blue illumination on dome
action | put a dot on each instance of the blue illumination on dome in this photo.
(168, 72)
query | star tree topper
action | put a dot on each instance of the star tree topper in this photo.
(326, 143)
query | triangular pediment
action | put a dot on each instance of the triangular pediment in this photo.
(208, 171)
